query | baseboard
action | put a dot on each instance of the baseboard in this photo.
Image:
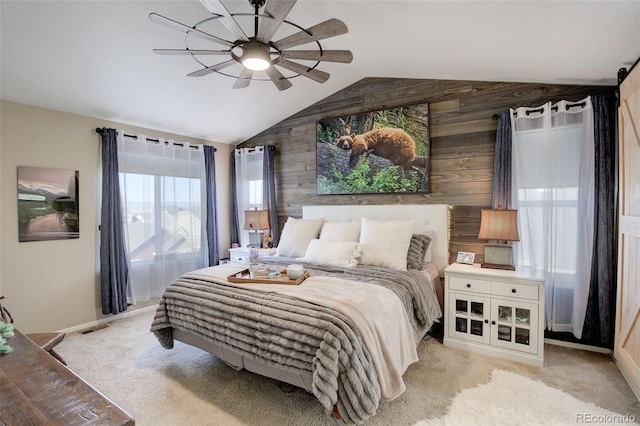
(578, 346)
(112, 318)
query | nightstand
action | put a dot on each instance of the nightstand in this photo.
(495, 312)
(241, 254)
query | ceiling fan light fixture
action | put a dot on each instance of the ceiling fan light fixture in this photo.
(256, 57)
(259, 52)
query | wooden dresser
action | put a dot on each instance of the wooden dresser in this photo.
(36, 389)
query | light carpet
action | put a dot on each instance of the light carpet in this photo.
(510, 399)
(187, 386)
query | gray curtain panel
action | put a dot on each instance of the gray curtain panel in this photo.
(600, 317)
(114, 271)
(212, 209)
(269, 190)
(501, 195)
(235, 220)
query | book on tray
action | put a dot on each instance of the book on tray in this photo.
(267, 272)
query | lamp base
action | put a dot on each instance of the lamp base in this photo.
(498, 256)
(255, 239)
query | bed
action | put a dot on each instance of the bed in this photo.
(350, 330)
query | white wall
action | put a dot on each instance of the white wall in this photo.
(53, 285)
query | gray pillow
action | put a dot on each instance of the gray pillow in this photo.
(417, 250)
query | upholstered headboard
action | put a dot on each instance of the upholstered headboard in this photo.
(434, 217)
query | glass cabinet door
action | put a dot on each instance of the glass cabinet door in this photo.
(515, 325)
(469, 317)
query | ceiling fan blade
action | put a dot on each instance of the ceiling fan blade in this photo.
(190, 52)
(187, 29)
(342, 56)
(209, 70)
(326, 29)
(278, 10)
(278, 79)
(244, 79)
(313, 74)
(216, 7)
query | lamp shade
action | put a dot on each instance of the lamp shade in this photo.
(499, 225)
(256, 220)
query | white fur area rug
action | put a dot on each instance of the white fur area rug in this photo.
(511, 399)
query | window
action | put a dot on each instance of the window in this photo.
(563, 203)
(249, 185)
(163, 205)
(255, 192)
(161, 229)
(553, 191)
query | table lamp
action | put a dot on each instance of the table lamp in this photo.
(256, 222)
(500, 226)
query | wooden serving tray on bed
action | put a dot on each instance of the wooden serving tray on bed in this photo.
(244, 277)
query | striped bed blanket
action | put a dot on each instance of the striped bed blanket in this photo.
(307, 329)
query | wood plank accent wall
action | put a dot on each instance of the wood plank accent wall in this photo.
(462, 134)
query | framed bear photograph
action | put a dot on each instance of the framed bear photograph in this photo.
(377, 152)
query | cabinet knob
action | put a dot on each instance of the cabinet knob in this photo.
(513, 290)
(493, 323)
(468, 285)
(486, 321)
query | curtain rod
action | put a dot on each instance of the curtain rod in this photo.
(250, 148)
(553, 108)
(100, 131)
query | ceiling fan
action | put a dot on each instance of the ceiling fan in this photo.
(258, 52)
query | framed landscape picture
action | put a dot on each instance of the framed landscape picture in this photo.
(378, 152)
(47, 204)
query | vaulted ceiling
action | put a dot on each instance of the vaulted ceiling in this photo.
(95, 58)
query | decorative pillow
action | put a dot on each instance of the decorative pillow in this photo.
(385, 243)
(417, 251)
(296, 235)
(334, 253)
(431, 234)
(340, 231)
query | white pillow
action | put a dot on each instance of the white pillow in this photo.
(340, 231)
(334, 253)
(385, 243)
(296, 235)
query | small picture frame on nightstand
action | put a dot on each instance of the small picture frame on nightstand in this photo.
(466, 257)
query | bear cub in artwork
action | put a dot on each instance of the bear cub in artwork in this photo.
(393, 144)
